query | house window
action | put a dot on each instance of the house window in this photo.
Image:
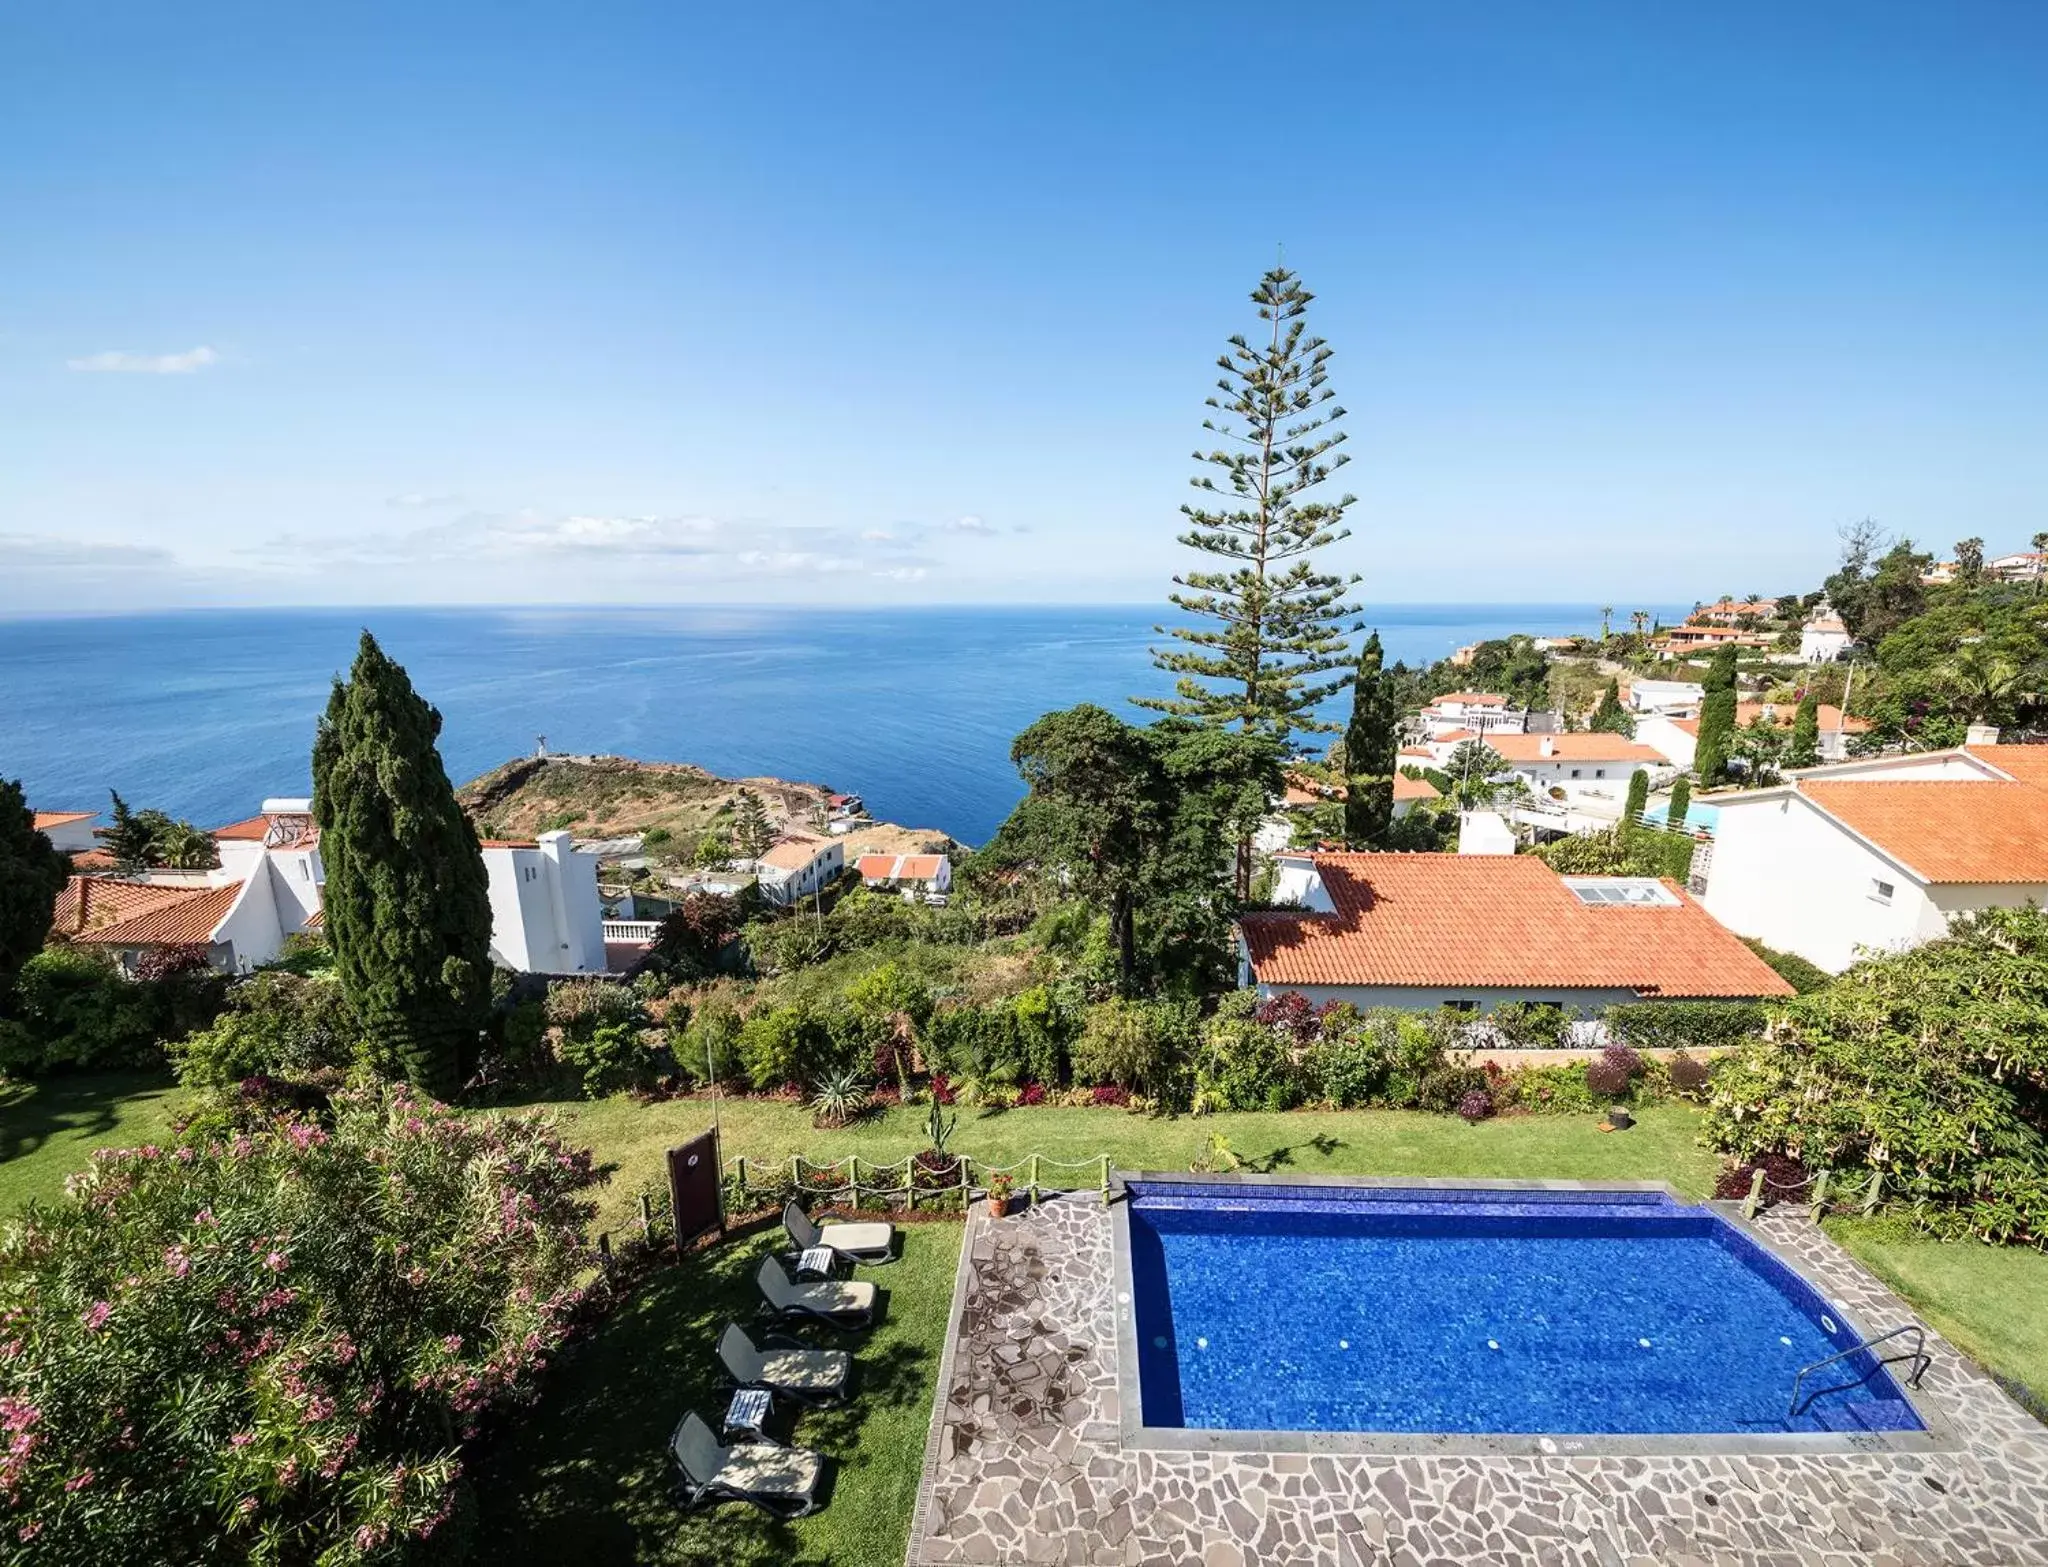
(1599, 772)
(1462, 1006)
(1881, 891)
(305, 870)
(532, 872)
(1575, 772)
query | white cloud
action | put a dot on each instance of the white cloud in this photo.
(121, 361)
(904, 574)
(878, 536)
(784, 563)
(420, 501)
(969, 524)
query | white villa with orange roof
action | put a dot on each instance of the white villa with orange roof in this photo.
(1420, 931)
(797, 865)
(1880, 855)
(927, 876)
(69, 832)
(269, 886)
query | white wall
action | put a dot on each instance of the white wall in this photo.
(1789, 875)
(519, 904)
(72, 837)
(1663, 736)
(251, 931)
(577, 914)
(297, 879)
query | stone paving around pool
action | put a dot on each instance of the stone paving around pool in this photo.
(1026, 1461)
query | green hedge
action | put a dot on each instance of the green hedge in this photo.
(1685, 1025)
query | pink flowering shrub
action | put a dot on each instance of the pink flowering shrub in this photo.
(271, 1346)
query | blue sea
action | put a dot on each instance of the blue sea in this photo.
(202, 714)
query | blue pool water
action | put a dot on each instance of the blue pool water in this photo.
(1351, 1309)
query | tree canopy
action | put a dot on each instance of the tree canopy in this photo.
(408, 911)
(1140, 821)
(1371, 742)
(31, 875)
(1270, 624)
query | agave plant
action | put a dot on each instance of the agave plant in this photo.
(939, 1126)
(839, 1100)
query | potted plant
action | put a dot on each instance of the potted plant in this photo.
(999, 1189)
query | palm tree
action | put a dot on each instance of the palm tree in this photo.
(2040, 565)
(1606, 614)
(1640, 619)
(1981, 683)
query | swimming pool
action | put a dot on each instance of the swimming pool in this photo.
(1269, 1307)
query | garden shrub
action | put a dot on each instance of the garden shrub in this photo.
(579, 1005)
(1794, 970)
(706, 1044)
(782, 945)
(615, 1057)
(1476, 1105)
(1443, 1089)
(787, 1045)
(1559, 1089)
(1684, 1025)
(1244, 1064)
(1528, 1025)
(1785, 1178)
(1688, 1075)
(1136, 1046)
(277, 1024)
(1929, 1066)
(269, 1349)
(1610, 1074)
(74, 1009)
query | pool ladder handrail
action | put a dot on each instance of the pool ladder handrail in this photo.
(1918, 1355)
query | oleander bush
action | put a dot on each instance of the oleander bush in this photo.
(1928, 1068)
(270, 1345)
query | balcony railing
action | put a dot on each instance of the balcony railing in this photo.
(631, 930)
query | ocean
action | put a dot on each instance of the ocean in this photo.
(205, 713)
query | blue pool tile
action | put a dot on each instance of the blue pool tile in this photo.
(1419, 1309)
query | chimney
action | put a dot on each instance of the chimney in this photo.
(1981, 734)
(1547, 746)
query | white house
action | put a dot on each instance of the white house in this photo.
(1477, 711)
(1673, 698)
(796, 865)
(1677, 739)
(545, 914)
(1474, 931)
(927, 876)
(69, 832)
(1881, 854)
(270, 885)
(2028, 566)
(1823, 639)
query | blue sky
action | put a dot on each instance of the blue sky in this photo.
(904, 303)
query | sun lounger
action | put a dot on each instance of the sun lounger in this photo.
(839, 1305)
(861, 1242)
(778, 1480)
(784, 1367)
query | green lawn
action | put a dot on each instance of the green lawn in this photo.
(587, 1478)
(1991, 1301)
(49, 1129)
(1663, 1146)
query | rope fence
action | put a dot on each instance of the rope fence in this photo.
(1822, 1189)
(905, 1182)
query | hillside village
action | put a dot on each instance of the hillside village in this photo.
(1725, 934)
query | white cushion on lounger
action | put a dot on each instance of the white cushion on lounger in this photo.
(858, 1237)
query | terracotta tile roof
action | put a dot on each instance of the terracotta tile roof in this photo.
(45, 820)
(1417, 750)
(1826, 623)
(1488, 921)
(1945, 829)
(1308, 792)
(898, 867)
(317, 920)
(2027, 763)
(793, 853)
(1454, 735)
(85, 902)
(1690, 725)
(1832, 719)
(188, 918)
(508, 843)
(257, 829)
(94, 860)
(1470, 699)
(1586, 746)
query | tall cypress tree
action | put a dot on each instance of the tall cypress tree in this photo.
(1638, 798)
(1370, 746)
(1717, 719)
(408, 910)
(1681, 802)
(1804, 751)
(1610, 717)
(31, 874)
(1269, 623)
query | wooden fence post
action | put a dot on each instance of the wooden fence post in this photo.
(1819, 1198)
(1034, 1180)
(853, 1175)
(1755, 1200)
(1105, 1180)
(743, 1179)
(1876, 1192)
